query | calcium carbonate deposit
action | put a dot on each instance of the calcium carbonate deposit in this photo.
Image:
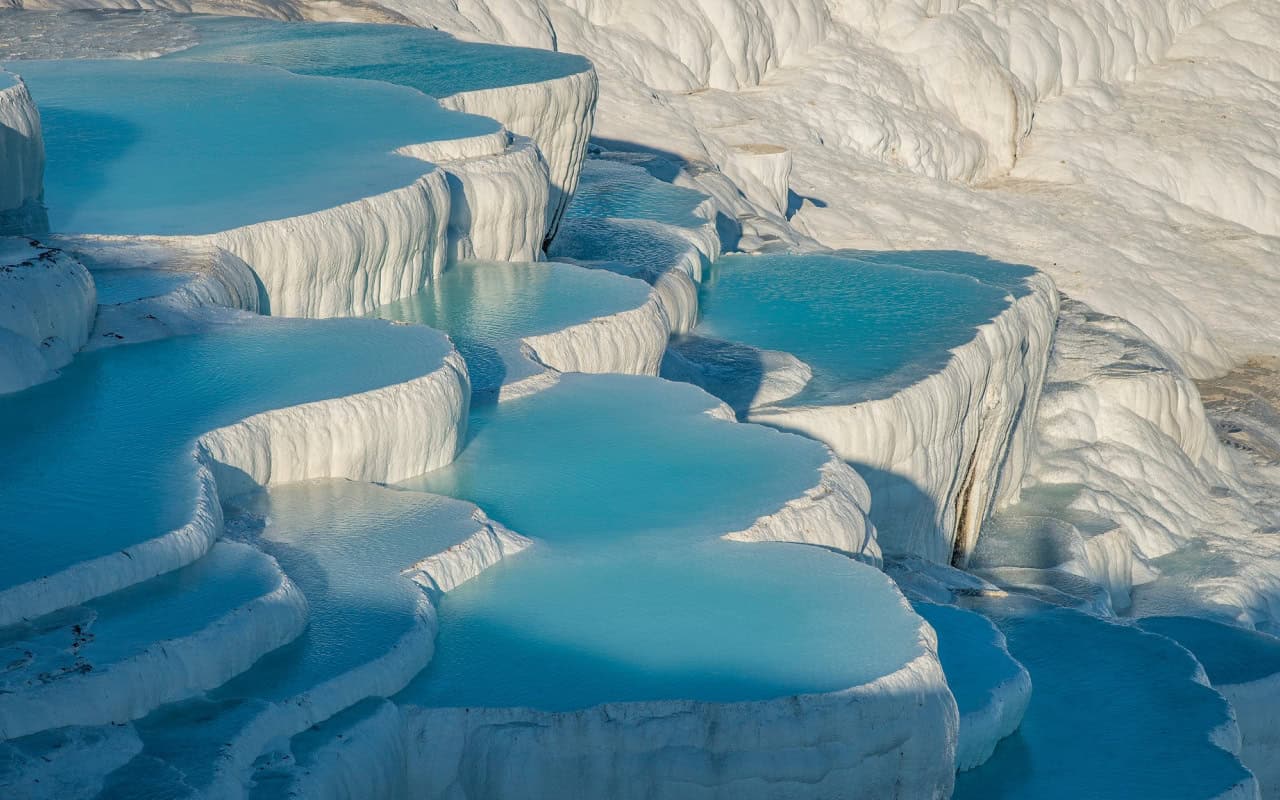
(641, 399)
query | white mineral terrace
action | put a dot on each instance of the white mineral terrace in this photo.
(639, 399)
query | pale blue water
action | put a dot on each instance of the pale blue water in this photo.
(344, 544)
(423, 59)
(123, 624)
(618, 220)
(636, 246)
(1228, 653)
(629, 593)
(1053, 586)
(101, 458)
(1114, 713)
(598, 458)
(613, 189)
(1019, 537)
(125, 285)
(971, 657)
(1011, 277)
(7, 79)
(178, 603)
(175, 147)
(488, 307)
(868, 324)
(560, 628)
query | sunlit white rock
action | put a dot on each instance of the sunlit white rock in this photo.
(21, 147)
(762, 172)
(48, 310)
(555, 115)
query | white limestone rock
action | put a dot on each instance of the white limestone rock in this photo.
(47, 305)
(21, 148)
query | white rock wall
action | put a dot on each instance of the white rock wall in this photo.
(1198, 128)
(762, 173)
(941, 454)
(21, 146)
(631, 342)
(498, 203)
(1123, 429)
(555, 115)
(47, 305)
(350, 259)
(380, 436)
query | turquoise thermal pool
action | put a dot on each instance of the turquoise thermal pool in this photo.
(126, 285)
(345, 544)
(599, 457)
(559, 629)
(616, 190)
(626, 485)
(1229, 654)
(102, 458)
(122, 140)
(487, 308)
(867, 324)
(427, 60)
(1114, 712)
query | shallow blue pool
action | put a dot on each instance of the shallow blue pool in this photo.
(175, 147)
(628, 246)
(1114, 713)
(970, 654)
(344, 544)
(108, 631)
(423, 59)
(487, 308)
(126, 285)
(609, 188)
(868, 324)
(101, 458)
(629, 593)
(602, 457)
(560, 628)
(621, 219)
(1229, 654)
